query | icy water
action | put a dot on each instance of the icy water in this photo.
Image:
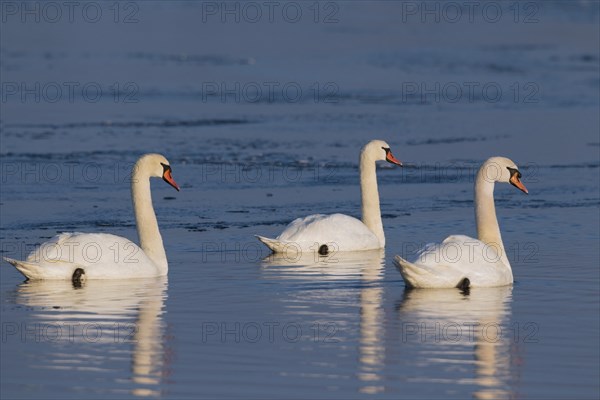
(262, 119)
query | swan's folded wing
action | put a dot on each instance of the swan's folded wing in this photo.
(303, 227)
(426, 276)
(56, 249)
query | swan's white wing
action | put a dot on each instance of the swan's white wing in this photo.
(457, 250)
(338, 231)
(100, 255)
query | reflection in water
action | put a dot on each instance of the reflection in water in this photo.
(109, 314)
(371, 349)
(342, 265)
(363, 268)
(447, 323)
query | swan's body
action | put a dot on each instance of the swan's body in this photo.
(339, 232)
(479, 262)
(106, 256)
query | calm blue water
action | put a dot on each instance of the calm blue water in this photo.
(262, 119)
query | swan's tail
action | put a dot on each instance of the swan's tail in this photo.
(413, 275)
(275, 245)
(29, 270)
(53, 270)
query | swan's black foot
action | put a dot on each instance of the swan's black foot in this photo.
(77, 277)
(464, 285)
(323, 250)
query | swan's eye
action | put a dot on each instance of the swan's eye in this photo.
(514, 172)
(386, 149)
(165, 167)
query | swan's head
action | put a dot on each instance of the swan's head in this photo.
(378, 150)
(156, 166)
(502, 169)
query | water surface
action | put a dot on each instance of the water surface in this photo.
(231, 321)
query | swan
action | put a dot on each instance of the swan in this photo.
(78, 256)
(462, 261)
(338, 232)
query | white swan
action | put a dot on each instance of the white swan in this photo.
(104, 256)
(461, 261)
(338, 232)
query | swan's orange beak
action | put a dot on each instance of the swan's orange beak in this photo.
(167, 177)
(516, 182)
(391, 159)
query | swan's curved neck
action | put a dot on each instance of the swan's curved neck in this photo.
(488, 230)
(145, 218)
(371, 213)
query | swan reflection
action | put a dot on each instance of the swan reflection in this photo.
(102, 319)
(339, 265)
(362, 270)
(371, 349)
(454, 328)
